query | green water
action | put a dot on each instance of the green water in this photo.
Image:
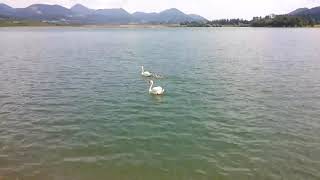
(240, 103)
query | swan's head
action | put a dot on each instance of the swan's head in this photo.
(150, 82)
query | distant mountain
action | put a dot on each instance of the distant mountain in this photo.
(6, 10)
(81, 10)
(117, 13)
(168, 16)
(298, 11)
(43, 12)
(197, 17)
(142, 17)
(83, 15)
(306, 11)
(173, 16)
(313, 13)
(106, 16)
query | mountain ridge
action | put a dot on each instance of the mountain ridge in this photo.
(81, 9)
(83, 15)
(313, 13)
(6, 10)
(298, 11)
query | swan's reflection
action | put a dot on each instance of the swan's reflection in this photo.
(157, 98)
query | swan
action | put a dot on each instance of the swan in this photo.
(145, 73)
(155, 90)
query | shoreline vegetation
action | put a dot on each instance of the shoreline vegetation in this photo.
(4, 24)
(26, 23)
(279, 21)
(267, 21)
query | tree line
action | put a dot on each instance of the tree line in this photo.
(267, 21)
(282, 21)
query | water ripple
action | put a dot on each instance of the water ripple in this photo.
(235, 107)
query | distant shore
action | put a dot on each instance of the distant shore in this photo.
(4, 24)
(131, 26)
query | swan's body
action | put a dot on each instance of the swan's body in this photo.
(145, 73)
(155, 90)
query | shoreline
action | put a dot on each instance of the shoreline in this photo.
(14, 24)
(23, 24)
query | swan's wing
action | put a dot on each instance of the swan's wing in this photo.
(146, 73)
(157, 89)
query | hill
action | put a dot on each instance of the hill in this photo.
(313, 13)
(298, 11)
(169, 16)
(80, 14)
(43, 12)
(6, 10)
(81, 10)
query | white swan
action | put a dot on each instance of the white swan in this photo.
(155, 90)
(145, 73)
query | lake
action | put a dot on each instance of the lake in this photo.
(239, 103)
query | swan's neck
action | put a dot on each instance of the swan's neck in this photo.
(142, 70)
(151, 84)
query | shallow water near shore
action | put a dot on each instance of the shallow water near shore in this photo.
(240, 103)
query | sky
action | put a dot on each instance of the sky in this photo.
(210, 9)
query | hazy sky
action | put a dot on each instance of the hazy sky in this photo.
(211, 9)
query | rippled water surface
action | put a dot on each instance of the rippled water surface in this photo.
(240, 103)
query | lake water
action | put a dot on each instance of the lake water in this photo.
(240, 103)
